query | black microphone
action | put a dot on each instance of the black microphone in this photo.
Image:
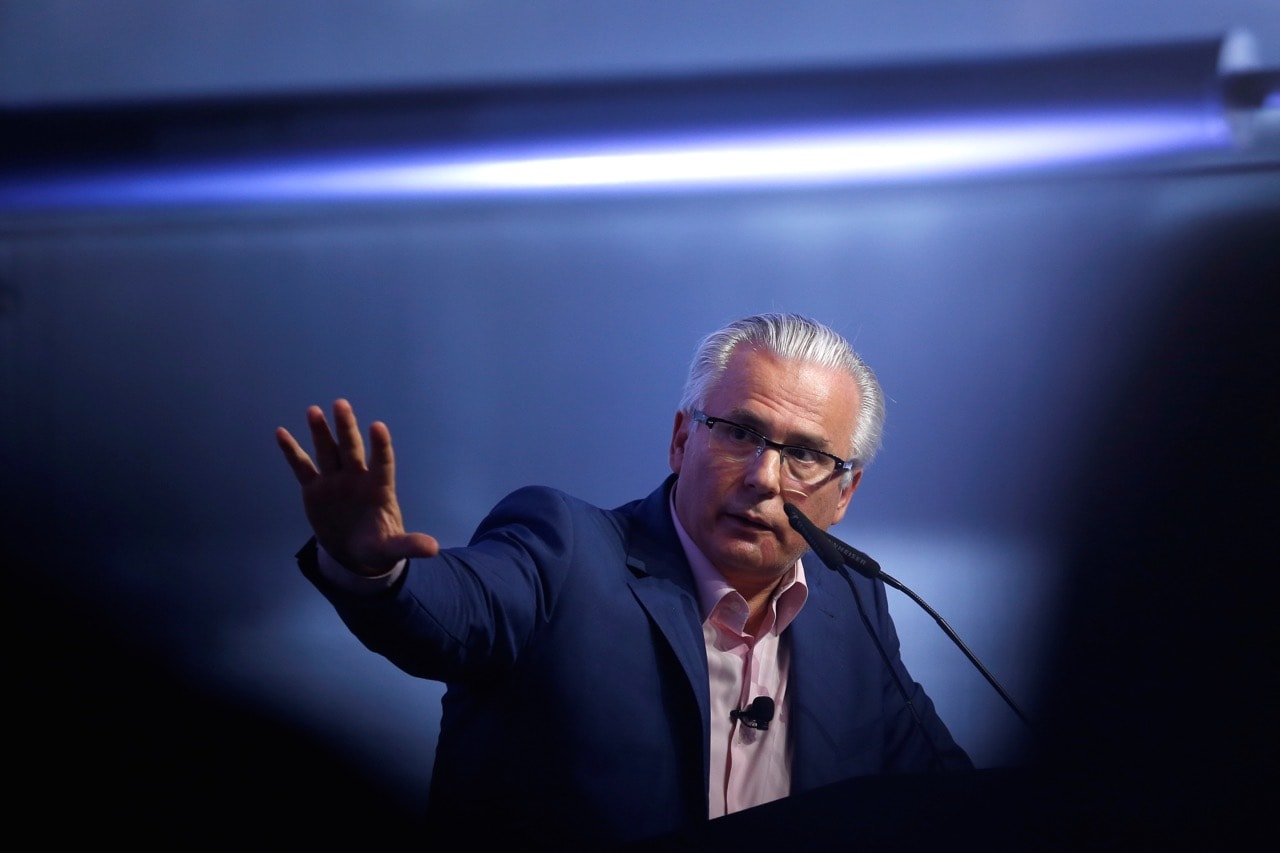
(829, 549)
(756, 715)
(816, 538)
(823, 546)
(855, 559)
(835, 554)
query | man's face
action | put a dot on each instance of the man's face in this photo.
(733, 510)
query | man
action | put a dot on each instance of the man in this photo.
(602, 666)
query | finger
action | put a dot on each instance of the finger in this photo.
(303, 468)
(382, 459)
(326, 449)
(350, 444)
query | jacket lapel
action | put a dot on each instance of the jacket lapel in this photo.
(663, 585)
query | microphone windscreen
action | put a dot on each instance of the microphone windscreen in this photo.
(817, 540)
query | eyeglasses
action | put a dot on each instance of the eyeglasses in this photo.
(737, 443)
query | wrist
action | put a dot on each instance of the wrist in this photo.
(364, 580)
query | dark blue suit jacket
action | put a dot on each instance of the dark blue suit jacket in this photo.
(577, 705)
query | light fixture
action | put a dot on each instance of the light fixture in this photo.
(827, 127)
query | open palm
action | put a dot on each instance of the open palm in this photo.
(350, 501)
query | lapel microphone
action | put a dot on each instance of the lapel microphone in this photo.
(756, 715)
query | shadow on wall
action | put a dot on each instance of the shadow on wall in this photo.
(109, 740)
(1161, 716)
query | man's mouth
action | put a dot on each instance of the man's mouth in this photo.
(751, 523)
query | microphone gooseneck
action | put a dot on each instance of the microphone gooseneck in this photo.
(835, 553)
(827, 552)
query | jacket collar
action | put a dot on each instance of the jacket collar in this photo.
(653, 548)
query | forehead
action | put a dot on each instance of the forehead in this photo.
(789, 400)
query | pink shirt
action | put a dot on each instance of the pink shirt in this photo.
(748, 766)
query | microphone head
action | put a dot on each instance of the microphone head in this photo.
(829, 549)
(757, 715)
(817, 540)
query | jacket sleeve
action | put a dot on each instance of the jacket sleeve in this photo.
(469, 612)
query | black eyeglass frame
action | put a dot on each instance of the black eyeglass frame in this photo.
(841, 465)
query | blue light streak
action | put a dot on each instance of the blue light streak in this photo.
(848, 154)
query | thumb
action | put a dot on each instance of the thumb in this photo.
(411, 545)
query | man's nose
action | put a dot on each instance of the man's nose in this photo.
(764, 472)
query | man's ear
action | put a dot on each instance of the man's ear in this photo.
(846, 495)
(679, 438)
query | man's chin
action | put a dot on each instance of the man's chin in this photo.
(748, 557)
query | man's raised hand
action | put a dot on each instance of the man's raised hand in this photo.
(350, 502)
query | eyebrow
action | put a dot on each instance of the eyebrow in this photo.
(795, 439)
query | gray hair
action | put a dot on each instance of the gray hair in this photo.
(791, 336)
